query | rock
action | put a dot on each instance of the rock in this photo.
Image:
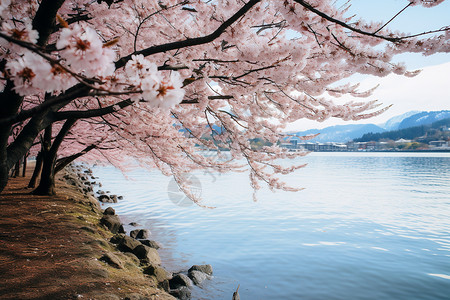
(117, 238)
(147, 254)
(100, 192)
(128, 244)
(121, 229)
(160, 273)
(133, 224)
(202, 268)
(197, 276)
(113, 198)
(132, 257)
(179, 280)
(112, 222)
(120, 197)
(139, 234)
(112, 260)
(182, 293)
(109, 211)
(106, 199)
(151, 244)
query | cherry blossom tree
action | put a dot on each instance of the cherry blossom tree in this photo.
(156, 77)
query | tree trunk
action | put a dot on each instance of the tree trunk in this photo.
(47, 183)
(16, 170)
(37, 171)
(24, 171)
(9, 103)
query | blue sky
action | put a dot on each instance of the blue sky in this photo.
(428, 91)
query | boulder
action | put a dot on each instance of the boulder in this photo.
(109, 211)
(179, 280)
(139, 234)
(117, 238)
(112, 222)
(107, 199)
(112, 260)
(147, 254)
(113, 198)
(128, 244)
(133, 224)
(207, 269)
(197, 277)
(160, 273)
(182, 293)
(121, 229)
(151, 244)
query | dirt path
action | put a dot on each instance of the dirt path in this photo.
(50, 246)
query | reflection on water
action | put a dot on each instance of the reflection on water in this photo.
(367, 226)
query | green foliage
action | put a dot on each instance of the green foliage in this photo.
(424, 133)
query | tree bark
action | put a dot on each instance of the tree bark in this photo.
(24, 165)
(9, 103)
(61, 163)
(37, 171)
(47, 182)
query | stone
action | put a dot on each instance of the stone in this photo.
(179, 280)
(128, 244)
(160, 273)
(197, 277)
(133, 224)
(182, 293)
(112, 260)
(147, 254)
(121, 229)
(120, 197)
(112, 222)
(139, 234)
(117, 238)
(106, 199)
(202, 268)
(151, 244)
(109, 211)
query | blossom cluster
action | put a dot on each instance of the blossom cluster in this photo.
(81, 56)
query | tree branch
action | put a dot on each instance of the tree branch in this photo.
(193, 41)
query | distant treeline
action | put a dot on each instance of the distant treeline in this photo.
(429, 132)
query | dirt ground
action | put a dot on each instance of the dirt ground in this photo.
(50, 246)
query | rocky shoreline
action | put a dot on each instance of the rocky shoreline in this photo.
(135, 248)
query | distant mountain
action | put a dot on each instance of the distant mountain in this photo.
(421, 133)
(424, 118)
(345, 133)
(392, 123)
(341, 133)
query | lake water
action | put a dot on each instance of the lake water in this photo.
(366, 226)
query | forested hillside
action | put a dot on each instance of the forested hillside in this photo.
(425, 133)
